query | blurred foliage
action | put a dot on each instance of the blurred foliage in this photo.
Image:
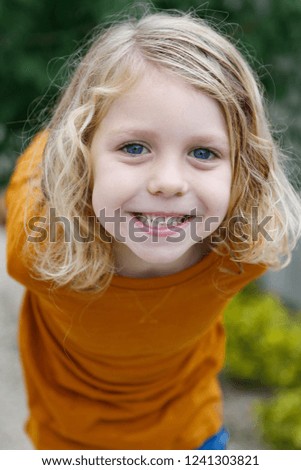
(264, 340)
(280, 420)
(264, 348)
(37, 37)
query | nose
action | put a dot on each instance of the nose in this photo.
(167, 179)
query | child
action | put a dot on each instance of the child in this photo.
(161, 135)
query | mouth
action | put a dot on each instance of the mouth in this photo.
(162, 219)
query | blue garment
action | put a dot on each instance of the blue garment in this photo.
(217, 442)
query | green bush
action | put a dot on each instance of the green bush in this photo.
(263, 341)
(280, 419)
(264, 347)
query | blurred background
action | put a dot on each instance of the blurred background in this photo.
(262, 375)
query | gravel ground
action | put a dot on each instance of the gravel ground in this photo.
(240, 417)
(238, 403)
(12, 396)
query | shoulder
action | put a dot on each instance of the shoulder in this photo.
(23, 191)
(232, 276)
(28, 164)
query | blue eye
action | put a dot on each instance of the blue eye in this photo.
(134, 149)
(203, 154)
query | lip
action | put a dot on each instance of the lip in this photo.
(162, 214)
(159, 231)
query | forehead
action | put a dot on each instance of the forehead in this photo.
(161, 100)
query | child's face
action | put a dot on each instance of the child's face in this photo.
(162, 148)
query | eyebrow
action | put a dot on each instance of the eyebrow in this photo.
(210, 138)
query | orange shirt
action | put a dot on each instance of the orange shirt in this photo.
(134, 368)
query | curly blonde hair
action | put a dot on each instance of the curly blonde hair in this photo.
(190, 48)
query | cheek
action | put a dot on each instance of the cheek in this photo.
(96, 200)
(109, 192)
(215, 198)
(216, 194)
(222, 188)
(100, 194)
(227, 192)
(223, 202)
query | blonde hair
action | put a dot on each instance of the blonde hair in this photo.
(188, 47)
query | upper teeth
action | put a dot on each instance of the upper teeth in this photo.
(160, 218)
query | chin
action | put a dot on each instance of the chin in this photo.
(160, 255)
